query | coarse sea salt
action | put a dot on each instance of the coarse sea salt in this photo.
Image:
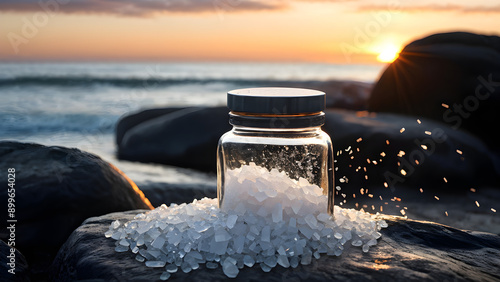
(267, 219)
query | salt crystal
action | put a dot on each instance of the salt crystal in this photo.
(271, 261)
(266, 234)
(311, 221)
(239, 244)
(158, 242)
(121, 249)
(365, 248)
(230, 269)
(155, 263)
(139, 258)
(306, 259)
(283, 261)
(171, 268)
(221, 235)
(265, 267)
(164, 276)
(306, 231)
(108, 233)
(211, 265)
(248, 260)
(231, 221)
(277, 214)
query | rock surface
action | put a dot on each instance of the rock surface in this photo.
(185, 137)
(58, 188)
(459, 69)
(407, 250)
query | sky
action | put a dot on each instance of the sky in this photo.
(329, 31)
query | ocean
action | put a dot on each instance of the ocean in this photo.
(78, 104)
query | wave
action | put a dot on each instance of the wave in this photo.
(151, 82)
(35, 123)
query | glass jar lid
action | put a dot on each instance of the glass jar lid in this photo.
(276, 100)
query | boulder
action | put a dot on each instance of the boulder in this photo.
(449, 77)
(407, 250)
(56, 189)
(186, 137)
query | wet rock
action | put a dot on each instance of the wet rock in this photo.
(56, 189)
(186, 138)
(459, 69)
(407, 250)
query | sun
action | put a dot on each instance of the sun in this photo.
(389, 54)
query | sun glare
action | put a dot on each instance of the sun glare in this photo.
(389, 54)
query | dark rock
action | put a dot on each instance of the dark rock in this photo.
(408, 250)
(352, 95)
(130, 120)
(459, 69)
(56, 189)
(184, 138)
(166, 193)
(13, 265)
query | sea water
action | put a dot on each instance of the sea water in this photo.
(78, 104)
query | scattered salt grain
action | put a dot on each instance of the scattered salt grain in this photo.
(274, 221)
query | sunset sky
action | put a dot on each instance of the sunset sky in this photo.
(332, 31)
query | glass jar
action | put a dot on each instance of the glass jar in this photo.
(278, 129)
